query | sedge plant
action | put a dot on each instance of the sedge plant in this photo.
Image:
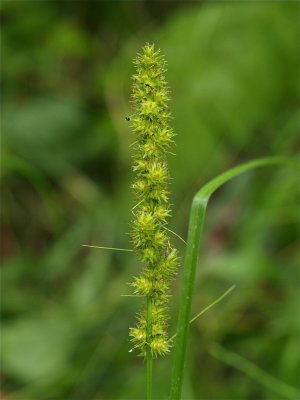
(150, 236)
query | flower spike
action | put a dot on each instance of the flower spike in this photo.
(149, 235)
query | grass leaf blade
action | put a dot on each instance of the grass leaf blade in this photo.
(197, 216)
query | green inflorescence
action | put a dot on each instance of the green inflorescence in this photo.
(150, 123)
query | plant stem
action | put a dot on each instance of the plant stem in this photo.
(197, 216)
(149, 358)
(191, 260)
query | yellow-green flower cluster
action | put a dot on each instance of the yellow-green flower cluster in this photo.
(150, 239)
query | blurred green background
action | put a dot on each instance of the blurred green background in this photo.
(234, 74)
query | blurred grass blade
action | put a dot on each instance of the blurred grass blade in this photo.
(196, 221)
(254, 372)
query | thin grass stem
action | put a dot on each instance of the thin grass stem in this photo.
(208, 307)
(149, 358)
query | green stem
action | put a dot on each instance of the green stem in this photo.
(191, 260)
(197, 216)
(149, 358)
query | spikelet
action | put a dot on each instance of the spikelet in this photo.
(150, 240)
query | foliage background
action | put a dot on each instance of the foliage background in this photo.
(234, 74)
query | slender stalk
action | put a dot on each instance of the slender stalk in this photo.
(149, 358)
(207, 308)
(105, 248)
(191, 260)
(196, 222)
